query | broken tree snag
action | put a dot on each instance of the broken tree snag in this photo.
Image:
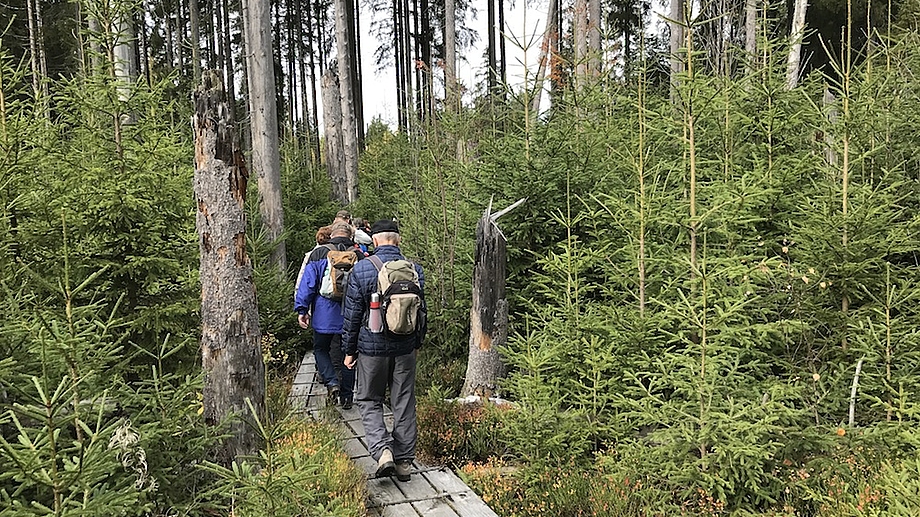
(489, 311)
(230, 336)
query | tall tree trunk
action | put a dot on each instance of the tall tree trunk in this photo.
(493, 80)
(264, 124)
(547, 51)
(594, 37)
(332, 123)
(580, 41)
(502, 50)
(228, 58)
(401, 108)
(678, 23)
(37, 78)
(750, 33)
(451, 92)
(124, 64)
(194, 17)
(354, 51)
(230, 336)
(489, 311)
(311, 41)
(796, 34)
(348, 129)
(408, 61)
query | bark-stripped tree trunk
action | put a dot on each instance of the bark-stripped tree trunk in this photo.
(332, 122)
(489, 312)
(347, 98)
(547, 51)
(677, 23)
(594, 38)
(450, 57)
(750, 33)
(230, 336)
(266, 160)
(580, 41)
(796, 34)
(33, 51)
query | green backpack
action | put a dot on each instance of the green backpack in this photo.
(402, 302)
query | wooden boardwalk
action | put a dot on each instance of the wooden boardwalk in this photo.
(432, 491)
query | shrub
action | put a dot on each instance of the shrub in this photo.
(454, 432)
(301, 472)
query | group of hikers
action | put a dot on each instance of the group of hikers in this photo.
(365, 303)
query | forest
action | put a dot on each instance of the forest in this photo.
(712, 284)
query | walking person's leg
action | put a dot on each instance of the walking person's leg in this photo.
(347, 379)
(321, 344)
(370, 393)
(402, 400)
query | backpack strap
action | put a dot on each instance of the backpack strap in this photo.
(375, 260)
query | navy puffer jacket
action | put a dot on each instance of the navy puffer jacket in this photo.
(361, 283)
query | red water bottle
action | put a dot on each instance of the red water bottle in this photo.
(375, 318)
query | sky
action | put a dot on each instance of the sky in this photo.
(524, 27)
(522, 24)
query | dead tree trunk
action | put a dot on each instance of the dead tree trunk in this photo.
(489, 313)
(547, 53)
(796, 34)
(230, 335)
(335, 148)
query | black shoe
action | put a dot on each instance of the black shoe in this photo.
(346, 404)
(333, 394)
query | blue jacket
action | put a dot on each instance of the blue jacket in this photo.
(361, 283)
(326, 315)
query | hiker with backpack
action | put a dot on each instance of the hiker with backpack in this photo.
(385, 323)
(320, 289)
(341, 238)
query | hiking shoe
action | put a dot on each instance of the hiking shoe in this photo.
(385, 465)
(333, 394)
(346, 404)
(404, 470)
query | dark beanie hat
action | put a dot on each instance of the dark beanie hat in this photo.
(384, 225)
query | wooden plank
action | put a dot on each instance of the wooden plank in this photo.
(434, 508)
(367, 464)
(383, 492)
(445, 481)
(468, 504)
(399, 510)
(354, 448)
(417, 487)
(356, 426)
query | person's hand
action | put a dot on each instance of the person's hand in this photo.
(350, 361)
(304, 321)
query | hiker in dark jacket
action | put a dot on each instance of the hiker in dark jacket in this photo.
(325, 315)
(382, 362)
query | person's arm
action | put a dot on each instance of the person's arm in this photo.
(354, 308)
(305, 293)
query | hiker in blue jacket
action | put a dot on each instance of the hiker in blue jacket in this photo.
(325, 315)
(382, 361)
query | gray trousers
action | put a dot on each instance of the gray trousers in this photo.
(374, 375)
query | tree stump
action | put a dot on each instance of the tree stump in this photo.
(489, 311)
(230, 336)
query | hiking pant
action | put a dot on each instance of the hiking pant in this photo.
(327, 349)
(374, 376)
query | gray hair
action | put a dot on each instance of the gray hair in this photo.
(387, 237)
